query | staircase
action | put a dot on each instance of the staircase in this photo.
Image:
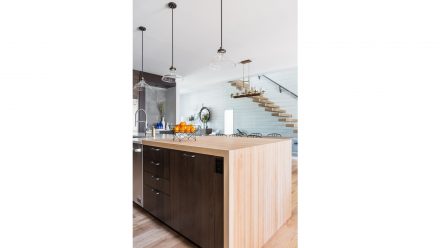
(269, 106)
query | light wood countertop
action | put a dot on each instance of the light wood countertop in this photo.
(212, 145)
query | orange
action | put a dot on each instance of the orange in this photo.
(193, 129)
(182, 123)
(187, 129)
(176, 129)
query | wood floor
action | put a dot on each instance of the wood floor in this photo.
(148, 232)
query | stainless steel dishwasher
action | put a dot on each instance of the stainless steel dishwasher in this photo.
(138, 197)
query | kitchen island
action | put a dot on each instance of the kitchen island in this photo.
(219, 191)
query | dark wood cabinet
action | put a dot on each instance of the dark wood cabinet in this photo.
(185, 190)
(156, 182)
(197, 203)
(156, 187)
(157, 203)
(156, 161)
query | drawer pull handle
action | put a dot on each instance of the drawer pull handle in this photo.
(138, 150)
(155, 192)
(155, 149)
(154, 163)
(157, 179)
(190, 156)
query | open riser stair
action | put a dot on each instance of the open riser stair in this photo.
(269, 106)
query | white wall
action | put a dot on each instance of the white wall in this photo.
(214, 98)
(248, 115)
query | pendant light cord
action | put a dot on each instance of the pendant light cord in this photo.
(142, 72)
(172, 38)
(221, 23)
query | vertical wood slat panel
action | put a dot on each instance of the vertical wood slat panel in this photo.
(259, 193)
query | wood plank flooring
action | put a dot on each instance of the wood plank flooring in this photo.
(287, 235)
(149, 232)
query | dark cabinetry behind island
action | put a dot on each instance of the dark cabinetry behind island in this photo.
(185, 191)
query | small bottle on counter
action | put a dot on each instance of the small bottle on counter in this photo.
(163, 123)
(153, 132)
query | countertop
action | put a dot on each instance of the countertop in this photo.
(149, 137)
(212, 145)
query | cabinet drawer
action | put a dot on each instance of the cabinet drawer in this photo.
(155, 182)
(156, 154)
(157, 203)
(156, 161)
(158, 169)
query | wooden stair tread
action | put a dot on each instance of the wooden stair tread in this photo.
(260, 97)
(282, 114)
(263, 101)
(269, 105)
(239, 83)
(278, 110)
(288, 119)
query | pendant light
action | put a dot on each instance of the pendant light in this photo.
(142, 84)
(172, 76)
(247, 89)
(220, 60)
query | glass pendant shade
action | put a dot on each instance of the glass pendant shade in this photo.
(172, 76)
(141, 85)
(221, 61)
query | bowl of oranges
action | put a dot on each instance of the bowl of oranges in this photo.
(182, 127)
(184, 131)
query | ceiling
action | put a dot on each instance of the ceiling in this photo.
(263, 31)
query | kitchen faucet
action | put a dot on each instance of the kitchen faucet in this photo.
(136, 121)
